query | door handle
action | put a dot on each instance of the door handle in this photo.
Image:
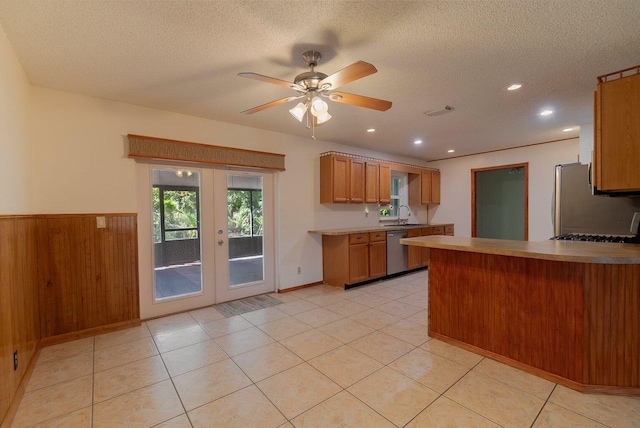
(220, 242)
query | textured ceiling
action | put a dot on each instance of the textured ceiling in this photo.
(184, 56)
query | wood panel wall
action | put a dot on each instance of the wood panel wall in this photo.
(90, 276)
(574, 321)
(60, 274)
(19, 321)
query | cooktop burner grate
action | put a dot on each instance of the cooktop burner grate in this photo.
(597, 238)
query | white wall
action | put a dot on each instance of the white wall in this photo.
(455, 204)
(586, 143)
(14, 161)
(80, 167)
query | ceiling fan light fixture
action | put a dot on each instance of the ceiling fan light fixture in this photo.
(323, 118)
(318, 107)
(298, 111)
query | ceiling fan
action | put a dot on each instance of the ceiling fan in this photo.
(312, 86)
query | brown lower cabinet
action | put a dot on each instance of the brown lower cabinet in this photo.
(358, 257)
(354, 258)
(377, 254)
(418, 256)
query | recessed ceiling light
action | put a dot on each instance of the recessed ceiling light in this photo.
(371, 130)
(450, 151)
(514, 87)
(546, 112)
(417, 142)
(567, 129)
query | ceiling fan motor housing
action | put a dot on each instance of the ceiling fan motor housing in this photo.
(310, 79)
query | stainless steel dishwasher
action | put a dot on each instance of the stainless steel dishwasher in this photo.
(396, 252)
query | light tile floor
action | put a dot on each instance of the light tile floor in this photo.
(323, 358)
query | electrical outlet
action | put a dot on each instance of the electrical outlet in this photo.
(15, 360)
(299, 270)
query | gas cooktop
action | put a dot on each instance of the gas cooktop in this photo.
(598, 238)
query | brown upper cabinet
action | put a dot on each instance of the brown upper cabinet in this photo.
(372, 183)
(385, 184)
(424, 187)
(377, 183)
(341, 180)
(430, 187)
(617, 131)
(347, 179)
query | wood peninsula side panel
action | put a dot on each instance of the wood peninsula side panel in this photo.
(612, 325)
(577, 324)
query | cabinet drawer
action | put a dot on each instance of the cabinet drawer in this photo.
(448, 230)
(413, 233)
(377, 236)
(438, 230)
(359, 238)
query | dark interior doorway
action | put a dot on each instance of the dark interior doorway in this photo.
(499, 206)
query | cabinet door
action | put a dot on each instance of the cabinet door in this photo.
(358, 262)
(356, 185)
(425, 187)
(372, 183)
(385, 183)
(414, 253)
(618, 134)
(430, 187)
(377, 259)
(334, 179)
(435, 187)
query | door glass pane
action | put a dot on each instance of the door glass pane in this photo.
(244, 223)
(500, 203)
(176, 233)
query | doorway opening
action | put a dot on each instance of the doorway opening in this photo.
(499, 205)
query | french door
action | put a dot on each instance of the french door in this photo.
(244, 261)
(206, 236)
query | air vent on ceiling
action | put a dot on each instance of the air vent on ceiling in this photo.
(439, 111)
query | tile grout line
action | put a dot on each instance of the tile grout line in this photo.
(544, 405)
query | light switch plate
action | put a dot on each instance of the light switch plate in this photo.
(101, 222)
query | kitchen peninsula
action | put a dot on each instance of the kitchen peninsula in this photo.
(565, 311)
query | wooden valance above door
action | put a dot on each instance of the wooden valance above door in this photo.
(152, 148)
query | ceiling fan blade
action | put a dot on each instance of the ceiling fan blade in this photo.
(273, 80)
(271, 104)
(352, 72)
(360, 101)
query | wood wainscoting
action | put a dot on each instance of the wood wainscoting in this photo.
(88, 276)
(19, 309)
(60, 275)
(576, 324)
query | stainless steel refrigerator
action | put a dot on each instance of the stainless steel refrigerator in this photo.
(577, 210)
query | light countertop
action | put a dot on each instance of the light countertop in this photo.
(567, 251)
(365, 229)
